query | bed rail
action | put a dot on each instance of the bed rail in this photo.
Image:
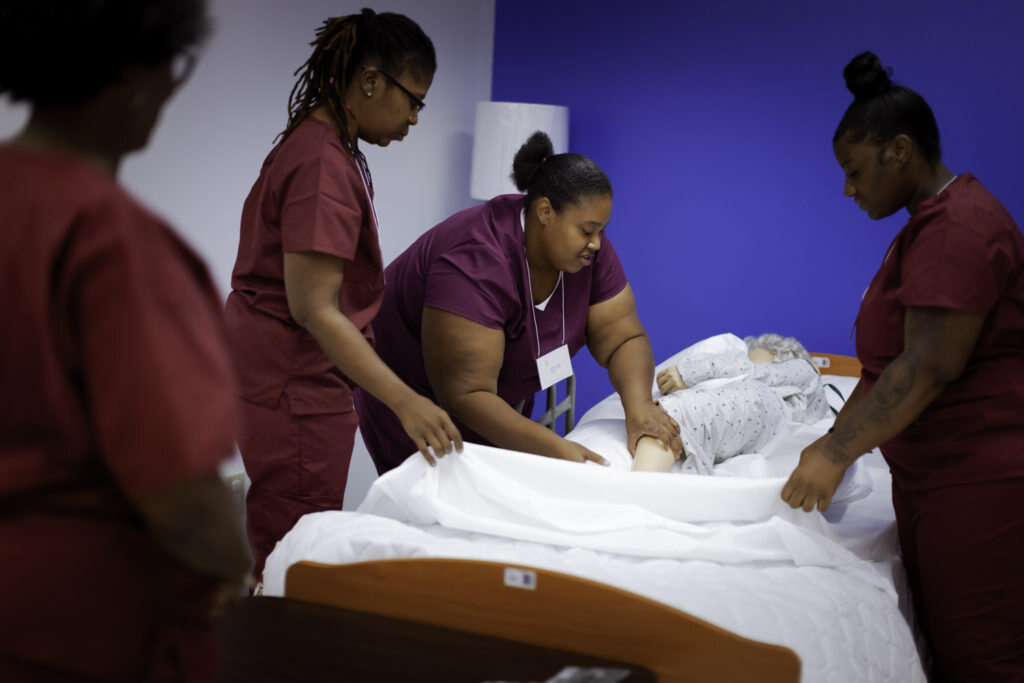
(556, 408)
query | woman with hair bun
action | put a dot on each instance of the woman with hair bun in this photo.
(487, 307)
(309, 277)
(940, 335)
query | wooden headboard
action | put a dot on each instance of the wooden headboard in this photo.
(545, 608)
(836, 364)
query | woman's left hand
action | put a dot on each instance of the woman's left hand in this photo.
(650, 419)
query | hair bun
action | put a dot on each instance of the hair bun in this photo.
(528, 159)
(865, 77)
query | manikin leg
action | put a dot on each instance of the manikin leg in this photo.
(652, 456)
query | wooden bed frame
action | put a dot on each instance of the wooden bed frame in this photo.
(551, 609)
(548, 609)
(835, 364)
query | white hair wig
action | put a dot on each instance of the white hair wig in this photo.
(781, 348)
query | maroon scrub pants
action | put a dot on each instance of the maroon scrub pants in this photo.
(963, 547)
(297, 460)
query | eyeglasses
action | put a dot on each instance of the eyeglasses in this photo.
(417, 103)
(181, 67)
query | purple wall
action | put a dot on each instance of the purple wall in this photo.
(714, 122)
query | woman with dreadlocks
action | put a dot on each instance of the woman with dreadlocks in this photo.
(309, 277)
(116, 528)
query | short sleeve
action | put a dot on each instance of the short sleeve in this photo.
(609, 278)
(474, 281)
(151, 351)
(951, 264)
(323, 204)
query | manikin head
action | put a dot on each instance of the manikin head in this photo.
(774, 348)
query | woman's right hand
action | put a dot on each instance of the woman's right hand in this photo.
(817, 476)
(570, 450)
(670, 380)
(429, 427)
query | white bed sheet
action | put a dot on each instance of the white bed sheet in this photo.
(723, 548)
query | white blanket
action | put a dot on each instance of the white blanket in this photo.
(525, 497)
(723, 548)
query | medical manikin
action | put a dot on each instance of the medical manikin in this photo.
(731, 396)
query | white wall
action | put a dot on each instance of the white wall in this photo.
(214, 135)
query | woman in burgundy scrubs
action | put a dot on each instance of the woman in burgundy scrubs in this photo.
(940, 335)
(308, 278)
(479, 309)
(116, 531)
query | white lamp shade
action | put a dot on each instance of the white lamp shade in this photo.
(501, 129)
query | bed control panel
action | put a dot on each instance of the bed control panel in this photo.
(520, 578)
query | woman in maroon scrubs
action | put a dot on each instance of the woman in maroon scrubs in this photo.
(477, 306)
(940, 335)
(308, 279)
(115, 529)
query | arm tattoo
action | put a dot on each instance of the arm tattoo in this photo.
(927, 328)
(892, 388)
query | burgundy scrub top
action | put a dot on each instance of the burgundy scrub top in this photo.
(311, 198)
(474, 265)
(960, 251)
(299, 422)
(117, 382)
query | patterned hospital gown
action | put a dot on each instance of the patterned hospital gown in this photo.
(733, 405)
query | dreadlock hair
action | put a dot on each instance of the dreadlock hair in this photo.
(344, 45)
(58, 52)
(562, 178)
(882, 110)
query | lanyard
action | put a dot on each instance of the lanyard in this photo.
(364, 176)
(533, 311)
(556, 365)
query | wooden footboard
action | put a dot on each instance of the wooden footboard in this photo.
(548, 609)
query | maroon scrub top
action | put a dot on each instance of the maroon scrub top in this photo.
(474, 265)
(960, 251)
(310, 196)
(117, 382)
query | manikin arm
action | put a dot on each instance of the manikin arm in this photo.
(670, 381)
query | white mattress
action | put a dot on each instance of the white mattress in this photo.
(723, 548)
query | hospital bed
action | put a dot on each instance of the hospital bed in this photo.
(691, 578)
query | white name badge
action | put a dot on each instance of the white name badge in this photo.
(554, 366)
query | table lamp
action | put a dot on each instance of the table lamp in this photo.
(501, 129)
